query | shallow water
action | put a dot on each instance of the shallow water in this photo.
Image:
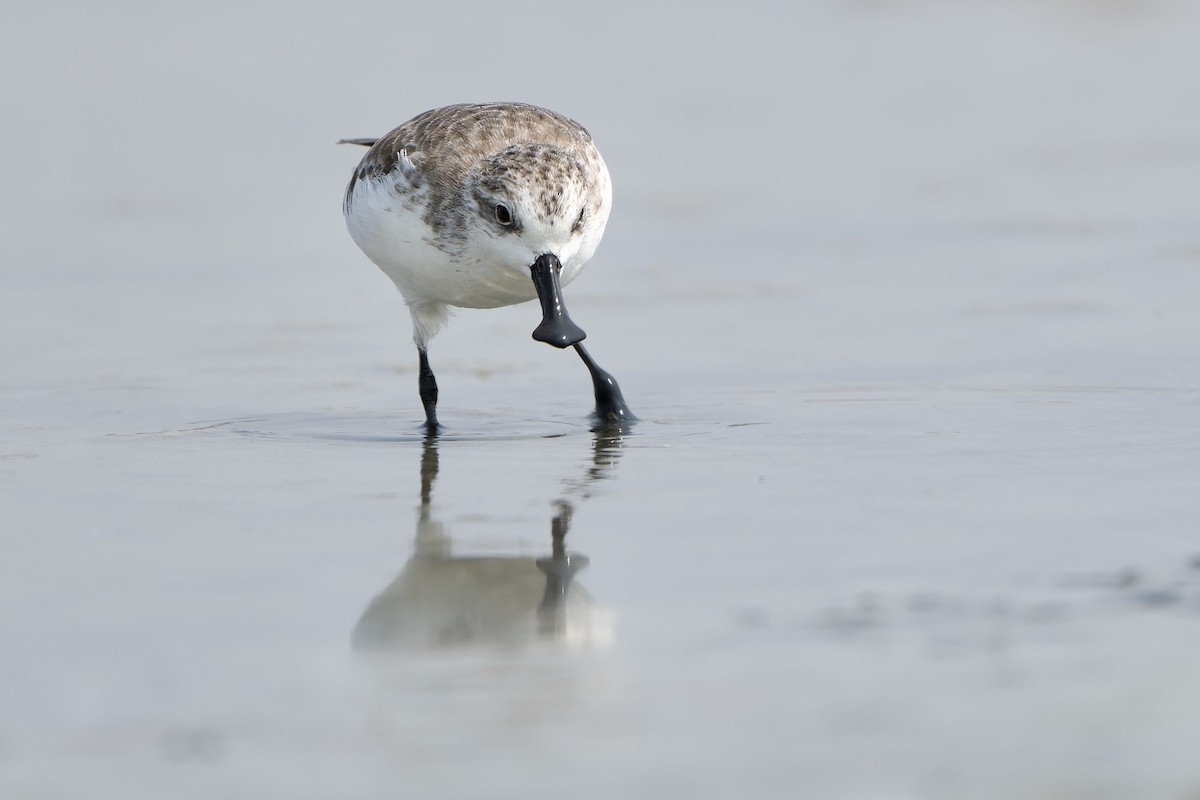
(910, 511)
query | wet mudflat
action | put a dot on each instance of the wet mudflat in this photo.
(910, 510)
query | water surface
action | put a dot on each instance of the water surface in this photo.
(902, 293)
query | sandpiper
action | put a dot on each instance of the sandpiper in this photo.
(480, 206)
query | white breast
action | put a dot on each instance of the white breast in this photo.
(391, 231)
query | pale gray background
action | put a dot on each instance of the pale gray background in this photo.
(905, 293)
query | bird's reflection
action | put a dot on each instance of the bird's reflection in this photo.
(441, 599)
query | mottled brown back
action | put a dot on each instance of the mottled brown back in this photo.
(444, 143)
(440, 146)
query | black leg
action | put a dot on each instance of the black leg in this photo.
(610, 403)
(558, 329)
(428, 386)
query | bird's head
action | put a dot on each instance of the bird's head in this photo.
(532, 200)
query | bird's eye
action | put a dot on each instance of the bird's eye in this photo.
(503, 215)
